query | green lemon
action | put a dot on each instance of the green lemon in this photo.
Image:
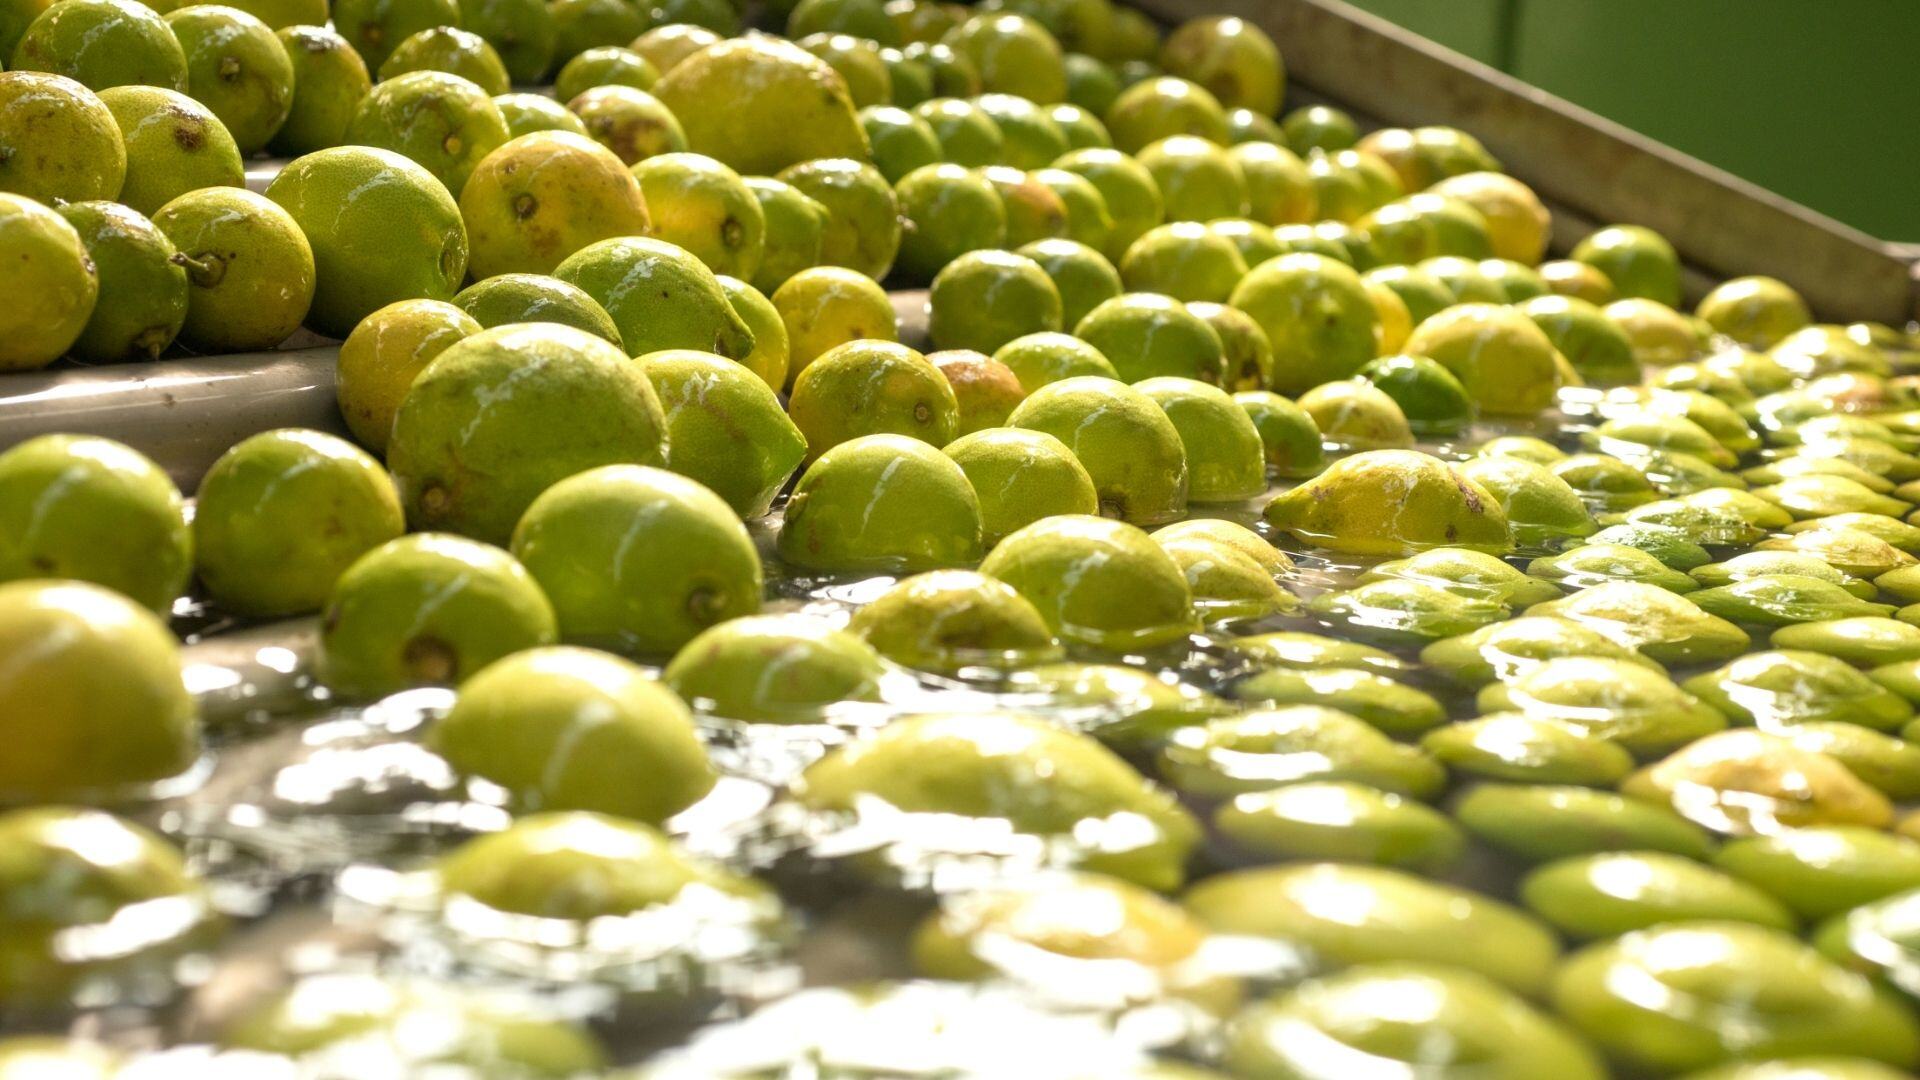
(1639, 262)
(456, 52)
(1021, 477)
(659, 296)
(1392, 502)
(631, 123)
(636, 557)
(58, 140)
(1225, 457)
(951, 212)
(237, 68)
(1316, 314)
(522, 32)
(710, 403)
(376, 27)
(564, 728)
(138, 264)
(1019, 772)
(381, 227)
(1404, 1017)
(881, 502)
(795, 225)
(385, 353)
(761, 105)
(57, 884)
(825, 307)
(443, 122)
(1716, 992)
(94, 698)
(524, 298)
(329, 82)
(281, 516)
(985, 390)
(428, 609)
(174, 146)
(863, 217)
(705, 207)
(604, 66)
(538, 198)
(528, 113)
(481, 434)
(1154, 109)
(49, 262)
(786, 668)
(102, 44)
(1290, 437)
(1361, 914)
(952, 620)
(1122, 437)
(93, 510)
(250, 270)
(1098, 582)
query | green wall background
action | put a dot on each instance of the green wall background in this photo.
(1818, 100)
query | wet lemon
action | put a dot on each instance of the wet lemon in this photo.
(604, 66)
(883, 503)
(725, 428)
(1155, 109)
(1639, 262)
(902, 142)
(237, 68)
(1014, 55)
(428, 609)
(382, 229)
(376, 27)
(761, 105)
(138, 266)
(443, 122)
(1085, 278)
(1198, 181)
(1316, 314)
(58, 140)
(1123, 439)
(705, 207)
(103, 43)
(329, 82)
(281, 515)
(93, 700)
(50, 263)
(1145, 334)
(950, 211)
(249, 265)
(541, 197)
(93, 510)
(863, 217)
(631, 123)
(828, 306)
(522, 32)
(986, 389)
(174, 146)
(1231, 57)
(984, 299)
(1508, 365)
(501, 415)
(638, 558)
(454, 51)
(385, 353)
(1518, 224)
(796, 224)
(871, 388)
(528, 113)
